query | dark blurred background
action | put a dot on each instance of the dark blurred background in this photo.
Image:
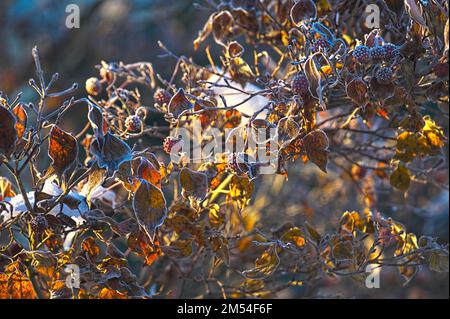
(128, 31)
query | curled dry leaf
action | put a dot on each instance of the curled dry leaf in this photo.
(8, 131)
(110, 152)
(303, 10)
(415, 12)
(193, 184)
(221, 26)
(235, 50)
(97, 121)
(179, 103)
(315, 77)
(21, 115)
(149, 206)
(265, 265)
(63, 149)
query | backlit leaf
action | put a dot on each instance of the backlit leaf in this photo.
(149, 206)
(63, 149)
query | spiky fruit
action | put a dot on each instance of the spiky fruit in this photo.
(361, 54)
(162, 97)
(384, 75)
(93, 86)
(299, 84)
(39, 224)
(320, 44)
(133, 123)
(390, 51)
(169, 143)
(377, 53)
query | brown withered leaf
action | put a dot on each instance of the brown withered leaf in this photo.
(63, 149)
(21, 115)
(314, 77)
(179, 103)
(240, 71)
(303, 10)
(382, 91)
(8, 131)
(316, 145)
(140, 244)
(222, 26)
(91, 247)
(265, 265)
(235, 50)
(149, 206)
(193, 184)
(357, 91)
(144, 169)
(241, 189)
(15, 285)
(415, 12)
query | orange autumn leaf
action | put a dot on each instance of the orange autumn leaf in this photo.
(63, 149)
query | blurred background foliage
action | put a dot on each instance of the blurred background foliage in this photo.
(128, 31)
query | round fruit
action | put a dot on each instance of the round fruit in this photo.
(133, 123)
(93, 86)
(390, 51)
(384, 75)
(321, 44)
(162, 97)
(299, 84)
(377, 53)
(361, 54)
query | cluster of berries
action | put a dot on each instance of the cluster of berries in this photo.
(386, 52)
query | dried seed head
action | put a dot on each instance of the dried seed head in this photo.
(93, 86)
